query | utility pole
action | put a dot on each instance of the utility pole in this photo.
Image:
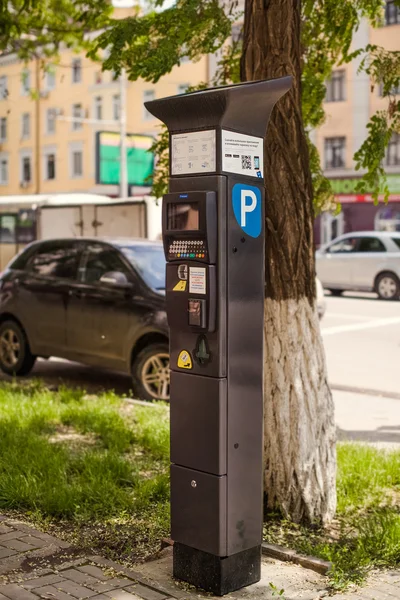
(123, 175)
(37, 125)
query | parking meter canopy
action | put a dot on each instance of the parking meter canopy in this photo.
(244, 107)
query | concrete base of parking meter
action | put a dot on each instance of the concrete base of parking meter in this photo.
(214, 242)
(214, 574)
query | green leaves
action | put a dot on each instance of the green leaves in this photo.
(149, 46)
(372, 152)
(31, 26)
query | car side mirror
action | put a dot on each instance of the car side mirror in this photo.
(115, 278)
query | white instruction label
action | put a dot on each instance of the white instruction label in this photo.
(197, 280)
(193, 152)
(242, 154)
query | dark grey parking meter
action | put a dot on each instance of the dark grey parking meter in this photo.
(213, 233)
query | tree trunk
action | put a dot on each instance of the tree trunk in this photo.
(300, 459)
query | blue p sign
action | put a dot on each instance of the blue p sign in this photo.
(246, 202)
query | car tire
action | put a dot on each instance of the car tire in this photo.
(16, 357)
(336, 292)
(388, 286)
(150, 372)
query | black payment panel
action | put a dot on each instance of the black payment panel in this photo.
(190, 226)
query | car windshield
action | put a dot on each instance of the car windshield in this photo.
(149, 261)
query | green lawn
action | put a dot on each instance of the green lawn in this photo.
(94, 470)
(366, 532)
(94, 466)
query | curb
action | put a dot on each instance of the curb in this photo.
(285, 554)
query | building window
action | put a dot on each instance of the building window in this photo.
(76, 114)
(98, 108)
(3, 87)
(335, 149)
(392, 13)
(25, 82)
(25, 126)
(335, 87)
(50, 80)
(50, 121)
(388, 219)
(393, 151)
(116, 107)
(182, 87)
(98, 77)
(76, 70)
(3, 129)
(26, 169)
(148, 95)
(77, 163)
(50, 166)
(3, 171)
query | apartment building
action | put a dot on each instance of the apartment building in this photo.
(350, 101)
(50, 118)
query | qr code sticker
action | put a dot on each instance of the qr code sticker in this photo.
(246, 162)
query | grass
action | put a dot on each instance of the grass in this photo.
(366, 532)
(94, 470)
(92, 467)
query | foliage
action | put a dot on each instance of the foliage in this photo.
(151, 45)
(366, 533)
(39, 27)
(88, 463)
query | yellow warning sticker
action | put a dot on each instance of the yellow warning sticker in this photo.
(184, 360)
(180, 286)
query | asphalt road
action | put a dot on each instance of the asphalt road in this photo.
(362, 343)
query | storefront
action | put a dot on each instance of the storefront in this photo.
(359, 213)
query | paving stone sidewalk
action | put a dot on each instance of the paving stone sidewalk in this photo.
(36, 565)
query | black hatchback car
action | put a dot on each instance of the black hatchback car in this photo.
(92, 301)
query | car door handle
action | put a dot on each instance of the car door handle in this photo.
(76, 293)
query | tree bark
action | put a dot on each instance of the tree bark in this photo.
(300, 458)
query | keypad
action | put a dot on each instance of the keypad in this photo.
(187, 249)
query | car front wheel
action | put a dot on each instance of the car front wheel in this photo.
(388, 286)
(150, 372)
(15, 354)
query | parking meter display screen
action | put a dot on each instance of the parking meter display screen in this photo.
(183, 216)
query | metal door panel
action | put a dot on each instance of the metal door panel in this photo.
(198, 422)
(335, 269)
(60, 222)
(198, 510)
(121, 220)
(366, 266)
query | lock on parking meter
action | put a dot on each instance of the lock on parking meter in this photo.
(213, 234)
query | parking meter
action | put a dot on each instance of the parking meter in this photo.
(213, 235)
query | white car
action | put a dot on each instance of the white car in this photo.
(366, 261)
